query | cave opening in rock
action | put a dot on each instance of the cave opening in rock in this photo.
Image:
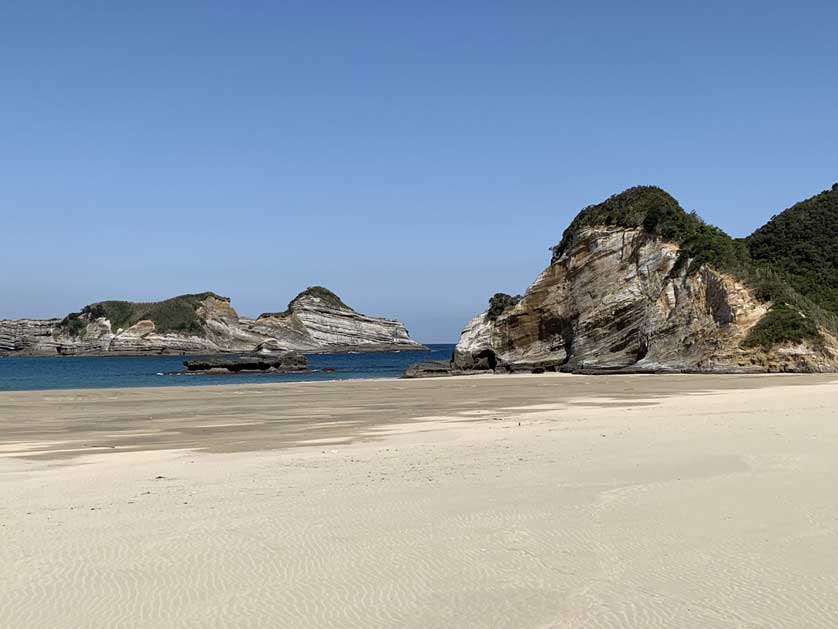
(642, 350)
(489, 356)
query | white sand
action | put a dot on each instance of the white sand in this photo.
(714, 507)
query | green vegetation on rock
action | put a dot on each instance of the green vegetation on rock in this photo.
(500, 303)
(658, 213)
(177, 314)
(320, 292)
(783, 323)
(791, 262)
(74, 324)
(629, 208)
(324, 294)
(802, 242)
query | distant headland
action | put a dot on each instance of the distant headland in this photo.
(315, 321)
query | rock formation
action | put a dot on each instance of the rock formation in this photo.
(638, 285)
(283, 362)
(429, 369)
(315, 321)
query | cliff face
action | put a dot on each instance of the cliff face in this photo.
(24, 335)
(312, 323)
(320, 322)
(619, 298)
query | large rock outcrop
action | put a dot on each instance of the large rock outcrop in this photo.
(619, 296)
(317, 318)
(315, 321)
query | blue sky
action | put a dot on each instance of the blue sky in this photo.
(414, 157)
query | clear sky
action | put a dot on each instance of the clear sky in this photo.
(415, 157)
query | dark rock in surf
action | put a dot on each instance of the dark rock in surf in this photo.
(429, 369)
(277, 363)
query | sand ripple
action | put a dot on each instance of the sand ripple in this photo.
(586, 517)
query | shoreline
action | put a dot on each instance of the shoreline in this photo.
(287, 414)
(828, 376)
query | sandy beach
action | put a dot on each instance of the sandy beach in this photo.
(518, 501)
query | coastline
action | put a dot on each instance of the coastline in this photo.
(726, 380)
(171, 416)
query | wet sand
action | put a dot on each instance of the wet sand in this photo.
(526, 501)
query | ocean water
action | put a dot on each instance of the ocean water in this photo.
(101, 372)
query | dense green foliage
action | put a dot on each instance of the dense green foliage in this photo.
(73, 323)
(791, 261)
(177, 314)
(629, 208)
(322, 293)
(500, 303)
(802, 243)
(658, 213)
(783, 323)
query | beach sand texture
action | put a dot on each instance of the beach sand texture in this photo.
(518, 501)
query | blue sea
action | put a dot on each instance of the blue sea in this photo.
(102, 372)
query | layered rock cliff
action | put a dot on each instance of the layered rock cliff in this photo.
(637, 285)
(206, 323)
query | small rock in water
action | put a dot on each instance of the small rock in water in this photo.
(264, 363)
(429, 369)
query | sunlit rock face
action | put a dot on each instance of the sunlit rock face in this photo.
(616, 300)
(315, 321)
(322, 323)
(22, 335)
